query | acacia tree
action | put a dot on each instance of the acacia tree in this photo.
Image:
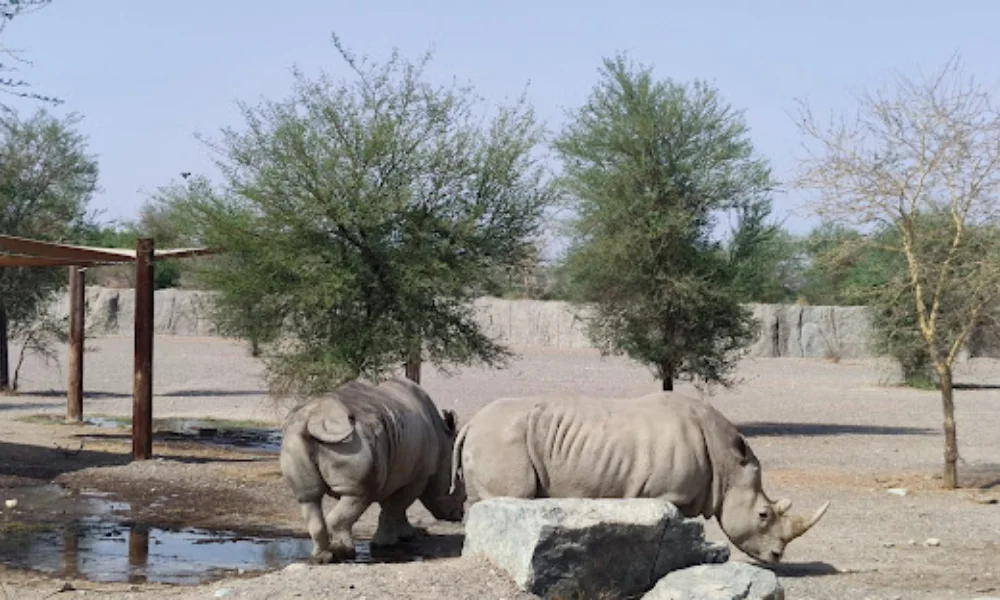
(10, 10)
(47, 178)
(651, 165)
(360, 217)
(921, 157)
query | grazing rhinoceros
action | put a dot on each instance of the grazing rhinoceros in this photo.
(365, 444)
(662, 445)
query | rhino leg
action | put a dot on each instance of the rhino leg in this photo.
(393, 526)
(340, 520)
(312, 512)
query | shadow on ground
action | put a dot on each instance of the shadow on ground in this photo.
(763, 428)
(47, 463)
(198, 393)
(22, 405)
(426, 546)
(975, 386)
(806, 569)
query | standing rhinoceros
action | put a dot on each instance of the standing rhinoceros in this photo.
(662, 445)
(365, 444)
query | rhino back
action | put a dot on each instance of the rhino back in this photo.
(395, 437)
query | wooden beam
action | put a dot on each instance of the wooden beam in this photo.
(142, 385)
(28, 247)
(184, 252)
(18, 260)
(74, 388)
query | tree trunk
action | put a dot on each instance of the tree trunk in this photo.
(950, 480)
(412, 365)
(4, 349)
(413, 370)
(667, 374)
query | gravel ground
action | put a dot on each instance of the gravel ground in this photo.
(823, 431)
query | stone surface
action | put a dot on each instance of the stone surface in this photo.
(575, 547)
(786, 330)
(729, 581)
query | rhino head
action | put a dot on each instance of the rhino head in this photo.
(439, 497)
(752, 521)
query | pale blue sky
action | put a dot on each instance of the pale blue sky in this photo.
(146, 76)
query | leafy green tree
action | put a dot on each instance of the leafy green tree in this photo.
(651, 166)
(922, 157)
(361, 217)
(763, 257)
(9, 83)
(47, 178)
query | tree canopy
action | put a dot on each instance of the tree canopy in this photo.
(47, 178)
(651, 165)
(9, 58)
(920, 165)
(362, 216)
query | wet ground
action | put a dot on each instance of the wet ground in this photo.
(90, 535)
(218, 433)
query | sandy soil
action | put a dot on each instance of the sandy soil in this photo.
(823, 431)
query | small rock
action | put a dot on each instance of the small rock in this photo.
(295, 567)
(728, 581)
(897, 491)
(932, 542)
(888, 544)
(223, 592)
(912, 542)
(10, 503)
(986, 500)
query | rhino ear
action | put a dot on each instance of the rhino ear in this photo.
(782, 506)
(450, 421)
(740, 446)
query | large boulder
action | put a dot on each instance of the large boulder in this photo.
(730, 581)
(587, 547)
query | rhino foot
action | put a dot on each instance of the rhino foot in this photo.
(321, 558)
(334, 554)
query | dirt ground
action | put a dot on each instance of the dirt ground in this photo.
(823, 431)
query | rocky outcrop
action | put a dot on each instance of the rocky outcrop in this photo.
(792, 330)
(586, 548)
(786, 330)
(111, 311)
(731, 581)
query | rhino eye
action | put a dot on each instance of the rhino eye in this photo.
(763, 515)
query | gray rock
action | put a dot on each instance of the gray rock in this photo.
(730, 581)
(587, 547)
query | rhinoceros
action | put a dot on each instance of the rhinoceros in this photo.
(364, 444)
(663, 445)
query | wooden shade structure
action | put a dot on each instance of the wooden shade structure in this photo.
(22, 252)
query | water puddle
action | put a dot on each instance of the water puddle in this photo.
(209, 432)
(89, 535)
(95, 540)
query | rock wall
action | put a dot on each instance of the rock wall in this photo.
(786, 330)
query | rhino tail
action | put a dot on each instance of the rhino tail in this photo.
(456, 457)
(330, 422)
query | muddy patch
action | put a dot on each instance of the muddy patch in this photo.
(216, 433)
(91, 535)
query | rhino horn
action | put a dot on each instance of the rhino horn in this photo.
(800, 524)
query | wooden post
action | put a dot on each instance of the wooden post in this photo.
(74, 388)
(138, 552)
(4, 351)
(142, 384)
